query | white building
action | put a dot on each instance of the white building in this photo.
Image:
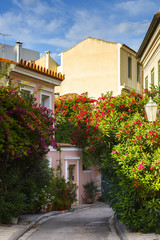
(16, 53)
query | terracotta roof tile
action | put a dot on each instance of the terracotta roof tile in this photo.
(35, 68)
(40, 69)
(67, 96)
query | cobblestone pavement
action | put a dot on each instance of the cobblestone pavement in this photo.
(88, 224)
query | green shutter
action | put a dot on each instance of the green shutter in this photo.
(138, 72)
(159, 73)
(152, 76)
(129, 67)
(146, 82)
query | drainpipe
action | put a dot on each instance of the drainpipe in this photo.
(47, 58)
(19, 46)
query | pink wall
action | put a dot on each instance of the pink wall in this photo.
(38, 85)
(70, 155)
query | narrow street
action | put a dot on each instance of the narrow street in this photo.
(91, 223)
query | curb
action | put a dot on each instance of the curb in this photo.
(113, 229)
(120, 228)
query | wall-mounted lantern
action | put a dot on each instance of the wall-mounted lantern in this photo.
(151, 110)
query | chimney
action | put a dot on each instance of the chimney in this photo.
(47, 58)
(19, 46)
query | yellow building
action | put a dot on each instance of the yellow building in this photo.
(97, 66)
(47, 62)
(149, 53)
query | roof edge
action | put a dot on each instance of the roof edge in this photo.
(36, 68)
(153, 25)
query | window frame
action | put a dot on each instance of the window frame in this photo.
(138, 72)
(48, 94)
(152, 76)
(159, 72)
(49, 161)
(130, 67)
(146, 80)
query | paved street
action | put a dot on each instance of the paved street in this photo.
(88, 224)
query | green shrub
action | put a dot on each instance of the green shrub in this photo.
(64, 193)
(91, 190)
(11, 205)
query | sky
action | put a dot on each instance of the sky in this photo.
(57, 25)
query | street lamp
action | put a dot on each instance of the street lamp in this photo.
(151, 110)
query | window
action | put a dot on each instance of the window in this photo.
(49, 162)
(46, 97)
(159, 73)
(146, 82)
(46, 100)
(86, 167)
(138, 72)
(129, 67)
(152, 76)
(26, 88)
(26, 92)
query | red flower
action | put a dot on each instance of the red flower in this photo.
(136, 184)
(111, 104)
(140, 167)
(114, 151)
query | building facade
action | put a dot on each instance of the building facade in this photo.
(35, 79)
(98, 66)
(72, 163)
(149, 53)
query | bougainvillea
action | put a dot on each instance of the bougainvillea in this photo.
(26, 132)
(26, 128)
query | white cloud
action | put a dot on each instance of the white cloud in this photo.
(58, 42)
(57, 25)
(85, 24)
(136, 7)
(132, 27)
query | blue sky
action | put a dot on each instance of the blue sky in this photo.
(58, 25)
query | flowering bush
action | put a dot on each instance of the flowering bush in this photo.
(93, 123)
(26, 132)
(64, 193)
(115, 131)
(25, 127)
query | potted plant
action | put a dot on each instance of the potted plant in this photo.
(91, 190)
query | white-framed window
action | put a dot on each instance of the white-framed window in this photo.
(26, 87)
(26, 90)
(49, 161)
(46, 97)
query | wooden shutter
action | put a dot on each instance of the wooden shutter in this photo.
(146, 82)
(159, 73)
(152, 76)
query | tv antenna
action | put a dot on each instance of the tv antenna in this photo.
(3, 49)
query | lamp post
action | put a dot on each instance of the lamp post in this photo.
(151, 110)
